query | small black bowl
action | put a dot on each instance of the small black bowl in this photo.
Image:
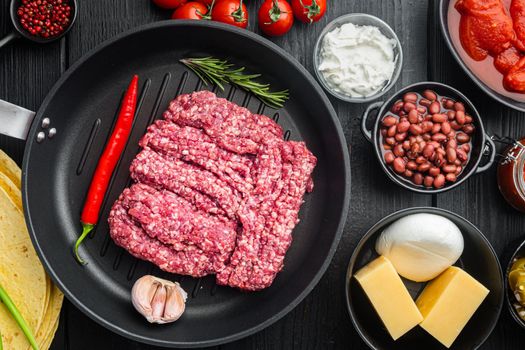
(482, 143)
(509, 296)
(478, 259)
(21, 32)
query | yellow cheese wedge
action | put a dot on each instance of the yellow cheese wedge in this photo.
(389, 296)
(448, 302)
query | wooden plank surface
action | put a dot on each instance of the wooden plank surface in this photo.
(27, 72)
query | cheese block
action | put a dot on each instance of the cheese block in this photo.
(448, 302)
(389, 296)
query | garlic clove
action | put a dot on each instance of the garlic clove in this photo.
(176, 303)
(158, 300)
(157, 304)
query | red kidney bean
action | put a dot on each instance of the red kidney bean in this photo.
(421, 160)
(402, 113)
(459, 169)
(441, 151)
(410, 97)
(458, 106)
(452, 143)
(440, 159)
(449, 168)
(435, 144)
(400, 137)
(436, 128)
(390, 141)
(428, 181)
(451, 177)
(387, 147)
(451, 135)
(457, 162)
(421, 109)
(427, 126)
(434, 171)
(445, 128)
(468, 129)
(427, 137)
(415, 148)
(413, 118)
(460, 117)
(408, 173)
(389, 157)
(434, 108)
(451, 115)
(406, 145)
(439, 118)
(428, 150)
(462, 138)
(429, 95)
(439, 137)
(398, 106)
(411, 165)
(418, 179)
(468, 119)
(439, 181)
(449, 104)
(412, 139)
(462, 155)
(411, 155)
(415, 129)
(388, 121)
(409, 106)
(399, 165)
(403, 126)
(466, 147)
(403, 119)
(427, 118)
(423, 168)
(391, 131)
(419, 138)
(424, 102)
(451, 155)
(454, 125)
(398, 150)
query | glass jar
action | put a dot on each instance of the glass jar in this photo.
(511, 175)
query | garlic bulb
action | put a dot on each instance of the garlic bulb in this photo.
(159, 300)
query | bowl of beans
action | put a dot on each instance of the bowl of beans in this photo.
(429, 137)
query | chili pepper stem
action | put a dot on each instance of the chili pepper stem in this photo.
(86, 229)
(8, 302)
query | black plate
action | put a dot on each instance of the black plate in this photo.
(478, 259)
(443, 9)
(57, 172)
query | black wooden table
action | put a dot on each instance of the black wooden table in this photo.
(27, 72)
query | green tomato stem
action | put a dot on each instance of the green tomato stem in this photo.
(86, 229)
(8, 302)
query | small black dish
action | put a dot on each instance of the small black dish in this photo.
(509, 296)
(20, 32)
(482, 143)
(478, 259)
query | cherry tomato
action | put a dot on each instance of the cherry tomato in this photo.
(169, 4)
(205, 2)
(275, 17)
(232, 12)
(309, 11)
(191, 10)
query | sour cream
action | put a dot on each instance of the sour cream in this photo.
(357, 61)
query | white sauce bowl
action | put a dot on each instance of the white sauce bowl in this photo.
(361, 19)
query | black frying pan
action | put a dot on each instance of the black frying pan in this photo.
(57, 172)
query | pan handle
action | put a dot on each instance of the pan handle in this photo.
(8, 38)
(489, 147)
(367, 133)
(15, 121)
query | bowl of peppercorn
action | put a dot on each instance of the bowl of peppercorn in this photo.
(41, 21)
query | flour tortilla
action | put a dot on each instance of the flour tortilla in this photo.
(10, 169)
(21, 275)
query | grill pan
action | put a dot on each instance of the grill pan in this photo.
(82, 108)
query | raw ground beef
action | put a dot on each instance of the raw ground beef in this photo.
(217, 191)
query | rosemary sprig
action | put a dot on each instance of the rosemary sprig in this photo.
(218, 72)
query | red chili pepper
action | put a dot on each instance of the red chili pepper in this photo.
(107, 163)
